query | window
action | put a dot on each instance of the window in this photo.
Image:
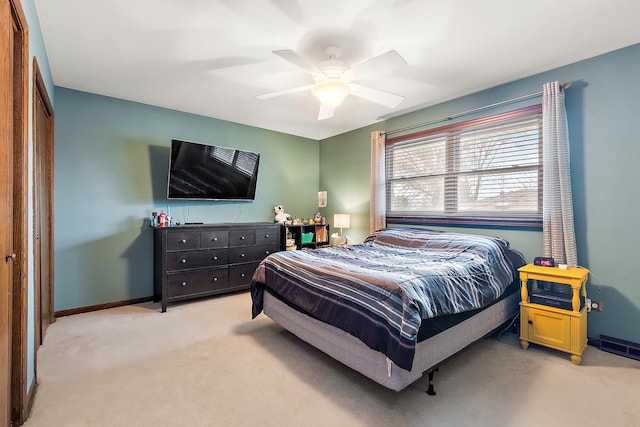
(485, 172)
(244, 161)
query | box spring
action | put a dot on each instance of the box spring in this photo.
(430, 352)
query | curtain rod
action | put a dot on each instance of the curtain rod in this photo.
(475, 110)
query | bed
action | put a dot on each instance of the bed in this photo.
(395, 306)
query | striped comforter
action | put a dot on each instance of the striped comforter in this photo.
(380, 290)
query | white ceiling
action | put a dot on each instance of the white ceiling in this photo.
(213, 57)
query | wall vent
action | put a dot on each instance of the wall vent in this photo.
(621, 347)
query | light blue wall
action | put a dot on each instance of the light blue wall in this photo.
(111, 160)
(602, 111)
(344, 173)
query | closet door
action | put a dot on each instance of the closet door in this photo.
(7, 253)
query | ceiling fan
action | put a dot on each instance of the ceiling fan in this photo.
(335, 79)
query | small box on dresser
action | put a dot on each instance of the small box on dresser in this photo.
(193, 261)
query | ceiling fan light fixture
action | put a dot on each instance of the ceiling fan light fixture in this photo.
(331, 91)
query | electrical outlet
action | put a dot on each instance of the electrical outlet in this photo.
(596, 305)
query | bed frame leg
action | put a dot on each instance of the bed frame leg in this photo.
(430, 390)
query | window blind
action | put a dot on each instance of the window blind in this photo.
(486, 171)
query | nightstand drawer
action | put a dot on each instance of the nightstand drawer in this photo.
(196, 281)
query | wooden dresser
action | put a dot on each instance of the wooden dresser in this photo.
(193, 261)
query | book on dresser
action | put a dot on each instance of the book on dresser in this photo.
(193, 261)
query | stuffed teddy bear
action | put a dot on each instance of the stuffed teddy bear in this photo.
(281, 216)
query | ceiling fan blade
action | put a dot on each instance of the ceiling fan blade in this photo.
(297, 60)
(378, 96)
(284, 92)
(378, 64)
(325, 112)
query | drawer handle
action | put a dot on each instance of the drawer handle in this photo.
(266, 236)
(183, 284)
(242, 238)
(183, 261)
(530, 322)
(215, 239)
(183, 241)
(267, 252)
(242, 275)
(241, 255)
(215, 258)
(215, 279)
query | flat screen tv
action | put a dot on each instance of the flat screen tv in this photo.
(211, 172)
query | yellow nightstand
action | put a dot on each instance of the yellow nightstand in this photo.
(563, 327)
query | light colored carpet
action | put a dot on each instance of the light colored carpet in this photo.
(206, 363)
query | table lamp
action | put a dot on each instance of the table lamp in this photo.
(342, 221)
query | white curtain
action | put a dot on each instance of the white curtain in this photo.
(377, 215)
(557, 203)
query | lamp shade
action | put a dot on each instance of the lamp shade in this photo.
(342, 220)
(331, 91)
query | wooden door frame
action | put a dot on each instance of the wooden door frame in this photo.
(20, 402)
(39, 90)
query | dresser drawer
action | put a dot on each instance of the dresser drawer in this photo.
(179, 240)
(241, 274)
(214, 239)
(267, 236)
(197, 282)
(243, 237)
(184, 260)
(250, 253)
